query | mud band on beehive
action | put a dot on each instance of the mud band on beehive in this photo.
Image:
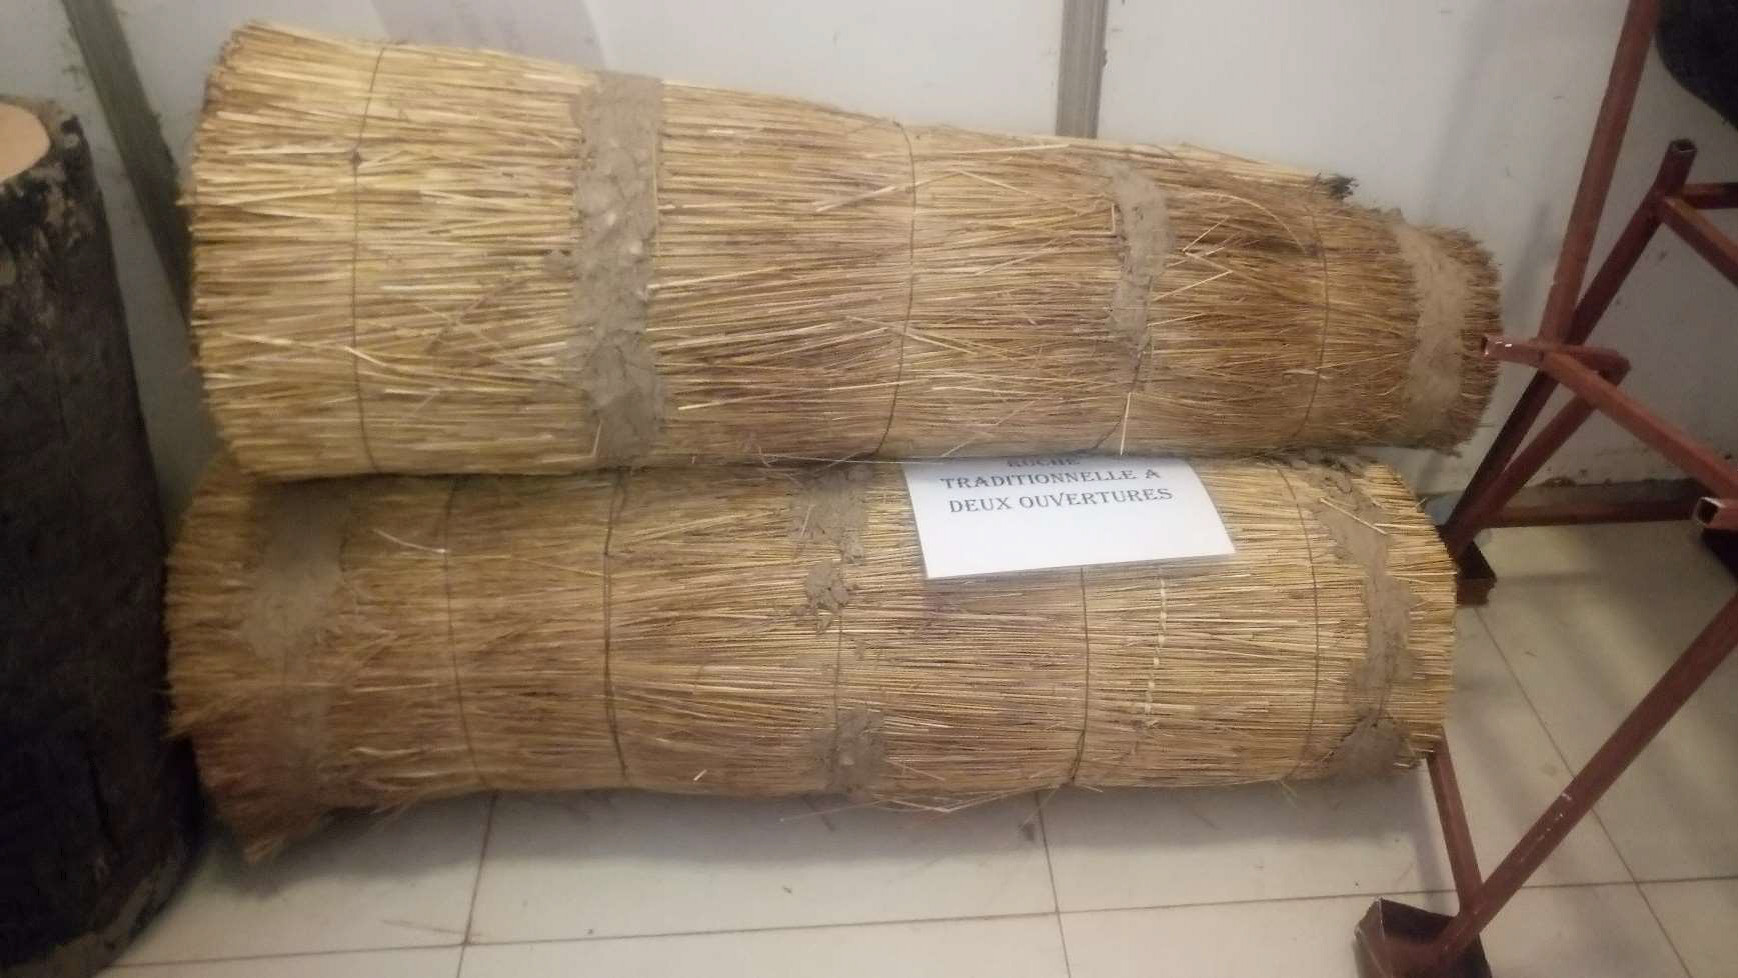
(1351, 520)
(829, 509)
(1143, 233)
(299, 575)
(1444, 289)
(615, 203)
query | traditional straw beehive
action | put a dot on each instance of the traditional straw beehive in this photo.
(419, 260)
(372, 643)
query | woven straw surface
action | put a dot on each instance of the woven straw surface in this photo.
(394, 255)
(372, 643)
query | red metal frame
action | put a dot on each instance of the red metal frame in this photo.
(1578, 513)
(1396, 940)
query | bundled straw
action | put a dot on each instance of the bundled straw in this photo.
(423, 260)
(750, 631)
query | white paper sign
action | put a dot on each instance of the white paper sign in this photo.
(995, 515)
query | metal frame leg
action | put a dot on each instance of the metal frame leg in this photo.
(1476, 511)
(1463, 861)
(1555, 323)
(1662, 702)
(1396, 940)
(1575, 327)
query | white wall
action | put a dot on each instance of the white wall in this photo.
(174, 42)
(984, 63)
(1473, 113)
(1466, 112)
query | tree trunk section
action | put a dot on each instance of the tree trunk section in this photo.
(97, 807)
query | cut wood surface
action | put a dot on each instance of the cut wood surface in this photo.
(23, 140)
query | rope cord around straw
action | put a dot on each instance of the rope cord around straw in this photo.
(292, 654)
(1327, 325)
(1120, 429)
(617, 498)
(839, 736)
(446, 551)
(1158, 653)
(356, 256)
(910, 293)
(838, 670)
(1316, 603)
(349, 648)
(1086, 680)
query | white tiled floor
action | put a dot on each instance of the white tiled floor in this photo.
(614, 865)
(1249, 881)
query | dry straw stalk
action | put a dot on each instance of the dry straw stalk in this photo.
(425, 260)
(763, 631)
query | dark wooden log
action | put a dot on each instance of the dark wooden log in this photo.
(1698, 41)
(97, 807)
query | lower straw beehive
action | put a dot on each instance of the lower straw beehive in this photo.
(372, 643)
(427, 260)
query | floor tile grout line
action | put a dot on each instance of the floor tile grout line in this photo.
(321, 953)
(1017, 915)
(327, 952)
(774, 929)
(1712, 878)
(1370, 894)
(967, 918)
(1551, 738)
(477, 881)
(1667, 934)
(1593, 813)
(1044, 838)
(1050, 868)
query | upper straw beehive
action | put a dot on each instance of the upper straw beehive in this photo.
(369, 643)
(419, 260)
